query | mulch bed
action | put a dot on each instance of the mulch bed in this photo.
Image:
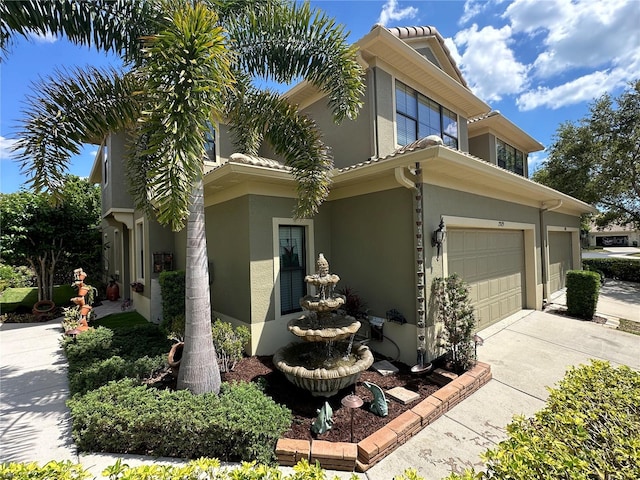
(304, 406)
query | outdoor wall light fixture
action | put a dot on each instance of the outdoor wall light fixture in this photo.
(438, 236)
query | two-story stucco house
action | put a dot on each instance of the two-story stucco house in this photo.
(510, 238)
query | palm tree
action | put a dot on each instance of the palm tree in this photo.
(195, 68)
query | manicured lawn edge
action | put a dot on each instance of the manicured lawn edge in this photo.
(366, 453)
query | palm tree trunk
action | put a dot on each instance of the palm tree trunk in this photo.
(199, 371)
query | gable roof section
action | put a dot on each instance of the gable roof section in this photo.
(386, 47)
(500, 126)
(433, 38)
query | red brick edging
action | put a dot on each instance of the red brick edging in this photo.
(366, 453)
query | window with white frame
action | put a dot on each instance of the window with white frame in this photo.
(140, 255)
(417, 116)
(293, 267)
(510, 158)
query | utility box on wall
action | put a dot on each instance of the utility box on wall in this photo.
(377, 328)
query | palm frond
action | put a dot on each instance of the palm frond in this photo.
(287, 42)
(266, 115)
(187, 73)
(109, 25)
(70, 109)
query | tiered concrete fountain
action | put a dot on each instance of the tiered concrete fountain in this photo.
(327, 360)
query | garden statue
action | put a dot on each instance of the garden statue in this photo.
(379, 404)
(78, 317)
(324, 420)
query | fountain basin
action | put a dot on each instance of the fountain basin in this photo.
(322, 382)
(334, 327)
(317, 304)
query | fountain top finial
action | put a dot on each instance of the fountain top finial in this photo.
(322, 266)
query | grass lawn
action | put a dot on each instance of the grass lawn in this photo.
(11, 298)
(120, 320)
(629, 326)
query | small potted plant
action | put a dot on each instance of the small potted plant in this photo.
(137, 287)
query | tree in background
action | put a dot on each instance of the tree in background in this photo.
(597, 159)
(196, 66)
(52, 237)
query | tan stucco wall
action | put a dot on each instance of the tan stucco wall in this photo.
(351, 141)
(227, 227)
(480, 147)
(115, 194)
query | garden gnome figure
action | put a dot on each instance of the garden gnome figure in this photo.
(324, 420)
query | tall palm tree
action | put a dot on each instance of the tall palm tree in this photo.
(196, 65)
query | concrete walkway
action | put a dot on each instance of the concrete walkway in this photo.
(527, 352)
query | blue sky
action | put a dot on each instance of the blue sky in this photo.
(540, 62)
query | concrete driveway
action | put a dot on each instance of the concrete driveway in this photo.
(612, 252)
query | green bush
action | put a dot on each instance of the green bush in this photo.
(583, 288)
(95, 374)
(101, 355)
(94, 344)
(454, 309)
(15, 277)
(172, 288)
(589, 429)
(201, 469)
(52, 470)
(618, 268)
(241, 423)
(229, 343)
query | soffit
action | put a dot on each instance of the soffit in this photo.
(456, 170)
(501, 127)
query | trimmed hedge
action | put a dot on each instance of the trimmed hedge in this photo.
(201, 469)
(172, 288)
(241, 423)
(590, 428)
(583, 289)
(618, 268)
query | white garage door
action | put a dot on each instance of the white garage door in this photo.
(560, 259)
(492, 263)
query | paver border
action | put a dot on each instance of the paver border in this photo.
(360, 457)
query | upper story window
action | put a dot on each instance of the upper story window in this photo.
(105, 165)
(210, 143)
(510, 158)
(418, 116)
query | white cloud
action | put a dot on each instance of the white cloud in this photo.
(390, 12)
(581, 89)
(472, 8)
(6, 146)
(489, 64)
(579, 33)
(535, 160)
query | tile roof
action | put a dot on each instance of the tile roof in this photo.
(426, 32)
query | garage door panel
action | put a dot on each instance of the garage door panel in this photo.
(560, 259)
(492, 263)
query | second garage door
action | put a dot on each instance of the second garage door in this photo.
(492, 263)
(560, 259)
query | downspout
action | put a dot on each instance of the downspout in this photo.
(544, 246)
(415, 185)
